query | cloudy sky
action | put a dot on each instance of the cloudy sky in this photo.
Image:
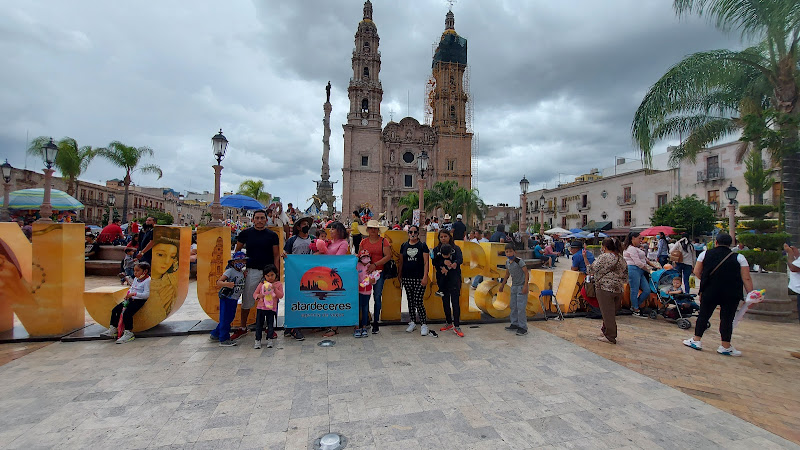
(554, 84)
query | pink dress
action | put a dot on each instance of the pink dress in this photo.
(338, 247)
(265, 300)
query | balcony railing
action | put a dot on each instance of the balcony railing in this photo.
(563, 208)
(623, 223)
(582, 207)
(622, 200)
(710, 174)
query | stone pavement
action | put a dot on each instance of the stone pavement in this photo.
(490, 390)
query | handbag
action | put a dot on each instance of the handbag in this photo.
(591, 288)
(390, 269)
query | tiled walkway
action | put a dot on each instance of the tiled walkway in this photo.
(489, 390)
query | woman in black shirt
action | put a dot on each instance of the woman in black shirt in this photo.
(413, 275)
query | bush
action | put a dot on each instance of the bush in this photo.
(756, 211)
(760, 225)
(772, 241)
(768, 260)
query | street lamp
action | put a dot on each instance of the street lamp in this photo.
(112, 200)
(220, 145)
(730, 193)
(46, 210)
(523, 187)
(541, 212)
(5, 215)
(180, 217)
(422, 166)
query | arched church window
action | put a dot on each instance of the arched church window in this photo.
(452, 81)
(366, 72)
(364, 105)
(366, 47)
(452, 112)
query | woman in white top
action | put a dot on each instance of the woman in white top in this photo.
(638, 265)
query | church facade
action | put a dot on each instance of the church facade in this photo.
(380, 163)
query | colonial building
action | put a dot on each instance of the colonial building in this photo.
(380, 163)
(500, 214)
(626, 195)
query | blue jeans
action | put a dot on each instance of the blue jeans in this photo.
(518, 303)
(685, 270)
(363, 308)
(638, 280)
(377, 292)
(476, 281)
(227, 311)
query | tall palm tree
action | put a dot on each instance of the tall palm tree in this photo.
(411, 202)
(707, 94)
(255, 189)
(71, 160)
(441, 196)
(128, 158)
(469, 202)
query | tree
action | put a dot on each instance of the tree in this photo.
(758, 178)
(468, 202)
(255, 189)
(411, 202)
(688, 213)
(128, 158)
(441, 196)
(708, 95)
(71, 160)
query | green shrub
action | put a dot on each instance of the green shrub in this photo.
(772, 241)
(756, 211)
(767, 260)
(760, 225)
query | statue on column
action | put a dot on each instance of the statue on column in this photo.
(328, 92)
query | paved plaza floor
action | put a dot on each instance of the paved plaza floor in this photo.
(490, 390)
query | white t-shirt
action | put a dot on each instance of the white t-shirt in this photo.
(794, 278)
(739, 258)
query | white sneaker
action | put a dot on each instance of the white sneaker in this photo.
(423, 329)
(411, 326)
(111, 332)
(697, 345)
(730, 351)
(127, 336)
(269, 343)
(257, 345)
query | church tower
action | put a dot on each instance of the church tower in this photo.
(361, 170)
(448, 103)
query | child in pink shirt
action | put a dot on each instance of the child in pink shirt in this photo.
(266, 295)
(365, 282)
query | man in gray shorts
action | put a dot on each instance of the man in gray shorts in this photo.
(263, 247)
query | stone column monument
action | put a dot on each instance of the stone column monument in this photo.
(325, 186)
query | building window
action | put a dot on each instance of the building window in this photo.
(451, 164)
(777, 193)
(452, 112)
(364, 105)
(408, 157)
(409, 181)
(365, 161)
(584, 200)
(366, 72)
(626, 194)
(366, 47)
(564, 222)
(564, 202)
(584, 220)
(712, 167)
(661, 200)
(627, 218)
(83, 194)
(713, 197)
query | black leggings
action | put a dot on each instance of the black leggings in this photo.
(452, 297)
(727, 311)
(134, 304)
(263, 315)
(356, 242)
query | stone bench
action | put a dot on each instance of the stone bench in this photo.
(111, 252)
(102, 267)
(533, 263)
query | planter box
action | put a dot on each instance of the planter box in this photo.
(778, 305)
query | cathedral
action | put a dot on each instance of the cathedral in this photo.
(380, 163)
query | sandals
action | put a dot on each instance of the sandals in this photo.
(330, 332)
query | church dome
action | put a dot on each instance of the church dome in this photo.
(452, 48)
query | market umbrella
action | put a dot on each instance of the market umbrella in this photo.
(575, 230)
(653, 231)
(239, 201)
(597, 226)
(32, 199)
(557, 230)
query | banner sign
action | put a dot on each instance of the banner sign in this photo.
(320, 291)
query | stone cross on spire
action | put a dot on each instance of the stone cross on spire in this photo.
(368, 10)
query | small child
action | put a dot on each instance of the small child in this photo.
(231, 285)
(448, 273)
(365, 282)
(677, 290)
(135, 298)
(267, 295)
(127, 266)
(518, 272)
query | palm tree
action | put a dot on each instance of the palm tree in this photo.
(442, 196)
(757, 177)
(411, 202)
(470, 204)
(128, 158)
(702, 95)
(254, 189)
(71, 160)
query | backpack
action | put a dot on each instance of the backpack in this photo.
(676, 255)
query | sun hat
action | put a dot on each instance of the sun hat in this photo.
(447, 217)
(372, 223)
(298, 223)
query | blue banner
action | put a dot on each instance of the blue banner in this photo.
(320, 291)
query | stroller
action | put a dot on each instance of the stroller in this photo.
(673, 307)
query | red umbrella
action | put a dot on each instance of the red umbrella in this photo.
(653, 231)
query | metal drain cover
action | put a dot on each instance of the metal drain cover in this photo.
(326, 343)
(331, 441)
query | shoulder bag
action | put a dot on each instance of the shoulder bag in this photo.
(390, 267)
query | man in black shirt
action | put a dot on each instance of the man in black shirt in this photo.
(262, 246)
(459, 229)
(146, 241)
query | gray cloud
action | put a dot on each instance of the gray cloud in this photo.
(554, 84)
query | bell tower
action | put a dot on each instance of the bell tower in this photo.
(361, 168)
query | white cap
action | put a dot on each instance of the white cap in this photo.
(459, 216)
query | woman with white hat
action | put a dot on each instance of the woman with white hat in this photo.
(380, 252)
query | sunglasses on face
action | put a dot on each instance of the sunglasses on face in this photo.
(413, 232)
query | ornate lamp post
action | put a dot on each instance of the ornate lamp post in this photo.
(50, 153)
(730, 193)
(523, 187)
(180, 217)
(112, 200)
(5, 215)
(220, 145)
(422, 165)
(541, 212)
